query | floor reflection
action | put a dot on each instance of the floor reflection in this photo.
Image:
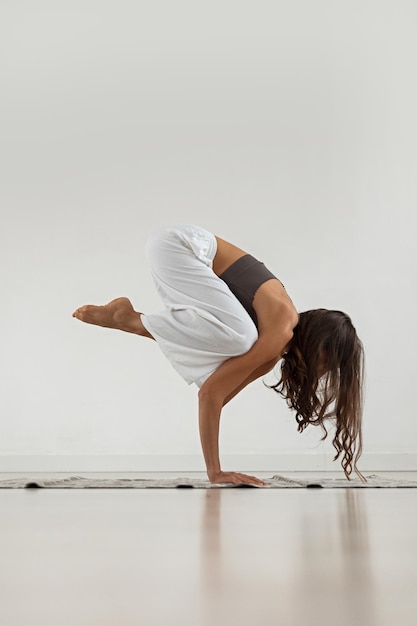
(335, 577)
(211, 552)
(309, 565)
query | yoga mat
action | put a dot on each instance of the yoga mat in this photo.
(274, 482)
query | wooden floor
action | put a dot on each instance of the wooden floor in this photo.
(254, 557)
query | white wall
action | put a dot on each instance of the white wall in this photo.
(287, 127)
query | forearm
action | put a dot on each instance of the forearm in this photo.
(209, 417)
(228, 379)
(209, 422)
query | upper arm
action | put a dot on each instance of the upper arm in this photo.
(257, 373)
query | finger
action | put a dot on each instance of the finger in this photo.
(251, 479)
(246, 483)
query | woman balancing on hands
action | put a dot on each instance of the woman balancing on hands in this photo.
(227, 321)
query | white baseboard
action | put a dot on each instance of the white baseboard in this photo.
(282, 462)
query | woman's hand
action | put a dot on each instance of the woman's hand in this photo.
(236, 479)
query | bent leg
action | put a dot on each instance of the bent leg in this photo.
(203, 323)
(118, 314)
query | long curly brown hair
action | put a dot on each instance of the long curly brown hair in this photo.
(322, 379)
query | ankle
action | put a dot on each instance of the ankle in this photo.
(137, 325)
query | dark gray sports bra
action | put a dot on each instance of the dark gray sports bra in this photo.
(244, 277)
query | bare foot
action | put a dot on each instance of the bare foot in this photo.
(118, 313)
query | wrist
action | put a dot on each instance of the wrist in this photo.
(212, 473)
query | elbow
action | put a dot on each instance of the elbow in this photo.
(288, 334)
(208, 395)
(288, 337)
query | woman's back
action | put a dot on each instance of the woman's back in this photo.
(269, 299)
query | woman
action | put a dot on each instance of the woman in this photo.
(227, 321)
